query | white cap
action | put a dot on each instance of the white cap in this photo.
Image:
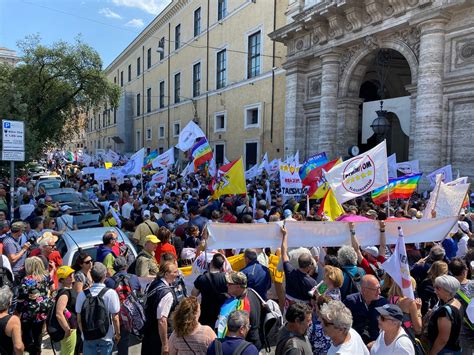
(65, 208)
(371, 250)
(146, 213)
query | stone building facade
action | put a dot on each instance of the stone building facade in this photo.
(207, 61)
(332, 69)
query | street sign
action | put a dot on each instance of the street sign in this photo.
(13, 134)
(13, 155)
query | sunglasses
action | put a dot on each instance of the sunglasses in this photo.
(87, 262)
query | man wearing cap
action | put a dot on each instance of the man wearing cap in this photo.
(146, 264)
(392, 339)
(14, 251)
(244, 299)
(144, 229)
(66, 220)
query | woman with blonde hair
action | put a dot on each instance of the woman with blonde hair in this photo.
(426, 289)
(189, 336)
(34, 303)
(411, 308)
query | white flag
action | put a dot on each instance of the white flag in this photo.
(398, 269)
(212, 169)
(274, 168)
(188, 169)
(263, 165)
(268, 195)
(446, 175)
(409, 167)
(450, 199)
(188, 136)
(459, 180)
(254, 205)
(161, 177)
(430, 205)
(252, 172)
(135, 164)
(359, 175)
(166, 159)
(85, 159)
(112, 156)
(392, 166)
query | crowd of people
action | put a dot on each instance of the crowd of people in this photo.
(333, 300)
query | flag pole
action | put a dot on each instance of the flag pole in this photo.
(388, 200)
(307, 206)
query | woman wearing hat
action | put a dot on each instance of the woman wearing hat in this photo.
(392, 339)
(65, 309)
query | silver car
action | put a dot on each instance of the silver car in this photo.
(88, 240)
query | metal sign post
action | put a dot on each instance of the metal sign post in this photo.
(13, 149)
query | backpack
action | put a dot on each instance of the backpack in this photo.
(54, 329)
(354, 282)
(243, 345)
(6, 277)
(461, 297)
(271, 321)
(95, 316)
(131, 314)
(132, 269)
(419, 350)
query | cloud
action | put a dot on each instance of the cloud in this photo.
(136, 22)
(109, 13)
(153, 7)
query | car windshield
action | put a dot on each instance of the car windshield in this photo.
(50, 184)
(66, 197)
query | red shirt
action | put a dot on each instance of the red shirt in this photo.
(364, 264)
(164, 248)
(229, 218)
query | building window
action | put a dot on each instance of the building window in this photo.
(138, 140)
(161, 45)
(138, 104)
(148, 100)
(252, 116)
(221, 9)
(177, 36)
(115, 80)
(121, 78)
(148, 134)
(253, 55)
(139, 66)
(162, 94)
(148, 58)
(221, 69)
(129, 72)
(115, 115)
(177, 87)
(219, 153)
(220, 122)
(161, 132)
(176, 129)
(161, 150)
(197, 22)
(196, 79)
(251, 151)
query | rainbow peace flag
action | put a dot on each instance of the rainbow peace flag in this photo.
(149, 158)
(402, 187)
(201, 152)
(307, 170)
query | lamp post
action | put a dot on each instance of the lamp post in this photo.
(380, 124)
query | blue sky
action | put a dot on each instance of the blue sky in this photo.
(107, 25)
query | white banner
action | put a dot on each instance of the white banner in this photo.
(392, 166)
(263, 165)
(409, 167)
(450, 199)
(359, 175)
(166, 159)
(161, 177)
(290, 180)
(101, 174)
(188, 136)
(446, 175)
(135, 164)
(324, 234)
(251, 173)
(461, 180)
(430, 205)
(88, 170)
(273, 168)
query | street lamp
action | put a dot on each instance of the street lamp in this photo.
(381, 125)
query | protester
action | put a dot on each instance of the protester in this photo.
(105, 254)
(320, 343)
(10, 326)
(189, 336)
(258, 276)
(15, 252)
(146, 264)
(164, 245)
(144, 228)
(66, 311)
(292, 337)
(347, 258)
(82, 276)
(66, 220)
(411, 309)
(426, 289)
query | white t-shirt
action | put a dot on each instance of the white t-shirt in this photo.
(7, 265)
(126, 209)
(402, 345)
(111, 301)
(354, 346)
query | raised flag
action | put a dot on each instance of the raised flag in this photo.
(116, 216)
(359, 175)
(330, 207)
(201, 152)
(290, 181)
(251, 173)
(108, 164)
(112, 156)
(147, 164)
(274, 168)
(230, 180)
(446, 175)
(263, 165)
(392, 166)
(409, 167)
(187, 137)
(402, 187)
(397, 267)
(212, 168)
(161, 177)
(135, 164)
(320, 186)
(164, 160)
(188, 170)
(85, 159)
(306, 170)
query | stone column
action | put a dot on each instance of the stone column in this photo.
(347, 124)
(429, 99)
(411, 88)
(294, 137)
(330, 62)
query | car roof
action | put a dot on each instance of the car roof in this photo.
(90, 236)
(65, 190)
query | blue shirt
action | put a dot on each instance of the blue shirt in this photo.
(13, 246)
(258, 278)
(364, 317)
(229, 344)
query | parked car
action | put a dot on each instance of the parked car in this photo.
(47, 184)
(86, 213)
(88, 240)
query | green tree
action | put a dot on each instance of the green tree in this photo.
(50, 88)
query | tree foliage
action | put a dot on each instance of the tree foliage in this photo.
(50, 88)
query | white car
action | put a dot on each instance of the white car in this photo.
(88, 240)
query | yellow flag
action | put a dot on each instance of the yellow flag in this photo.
(230, 180)
(323, 189)
(331, 207)
(108, 165)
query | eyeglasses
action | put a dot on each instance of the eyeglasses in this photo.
(52, 246)
(373, 288)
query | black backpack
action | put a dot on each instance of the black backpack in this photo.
(54, 329)
(6, 277)
(95, 317)
(243, 345)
